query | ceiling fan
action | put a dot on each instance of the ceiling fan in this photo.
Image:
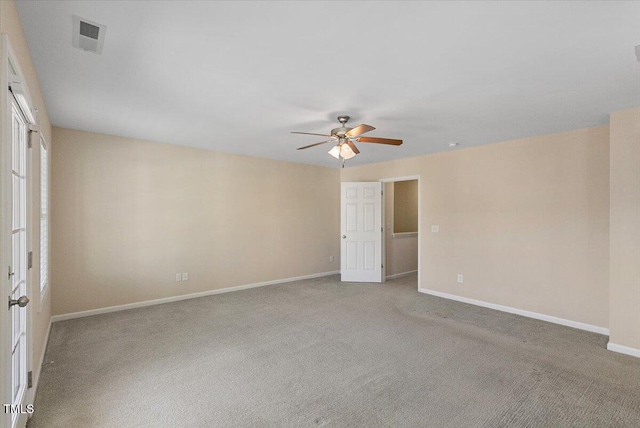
(345, 139)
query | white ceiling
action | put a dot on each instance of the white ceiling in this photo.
(238, 76)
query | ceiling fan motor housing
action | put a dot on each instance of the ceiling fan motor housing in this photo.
(339, 132)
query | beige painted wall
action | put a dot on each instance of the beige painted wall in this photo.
(40, 311)
(401, 253)
(405, 206)
(127, 215)
(624, 292)
(526, 222)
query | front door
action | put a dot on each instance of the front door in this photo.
(361, 232)
(17, 273)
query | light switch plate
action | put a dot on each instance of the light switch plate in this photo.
(435, 228)
(185, 276)
(178, 277)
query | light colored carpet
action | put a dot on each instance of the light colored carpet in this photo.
(324, 353)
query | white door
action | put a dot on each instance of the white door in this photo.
(361, 232)
(17, 273)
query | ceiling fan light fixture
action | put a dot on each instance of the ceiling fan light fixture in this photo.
(335, 152)
(346, 152)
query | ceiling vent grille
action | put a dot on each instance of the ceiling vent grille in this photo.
(88, 35)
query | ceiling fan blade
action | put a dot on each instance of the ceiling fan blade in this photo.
(359, 130)
(316, 144)
(380, 140)
(310, 133)
(353, 147)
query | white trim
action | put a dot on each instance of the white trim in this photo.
(43, 146)
(623, 349)
(522, 312)
(401, 274)
(404, 234)
(21, 94)
(43, 298)
(5, 159)
(41, 361)
(142, 304)
(405, 178)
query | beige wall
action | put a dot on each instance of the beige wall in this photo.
(40, 311)
(127, 215)
(526, 222)
(405, 206)
(401, 253)
(624, 292)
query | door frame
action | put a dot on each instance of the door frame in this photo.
(384, 223)
(9, 57)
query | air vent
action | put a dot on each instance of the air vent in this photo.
(88, 35)
(89, 30)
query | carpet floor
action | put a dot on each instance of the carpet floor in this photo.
(324, 353)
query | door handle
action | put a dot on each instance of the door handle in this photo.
(22, 301)
(344, 236)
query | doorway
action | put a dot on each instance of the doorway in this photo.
(401, 220)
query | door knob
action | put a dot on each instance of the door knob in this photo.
(344, 236)
(22, 301)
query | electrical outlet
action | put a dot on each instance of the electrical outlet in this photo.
(460, 278)
(178, 277)
(330, 258)
(185, 276)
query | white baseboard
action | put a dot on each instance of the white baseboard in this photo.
(41, 360)
(623, 349)
(401, 274)
(142, 304)
(522, 312)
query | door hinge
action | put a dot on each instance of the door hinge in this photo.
(30, 259)
(382, 266)
(32, 129)
(381, 229)
(30, 380)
